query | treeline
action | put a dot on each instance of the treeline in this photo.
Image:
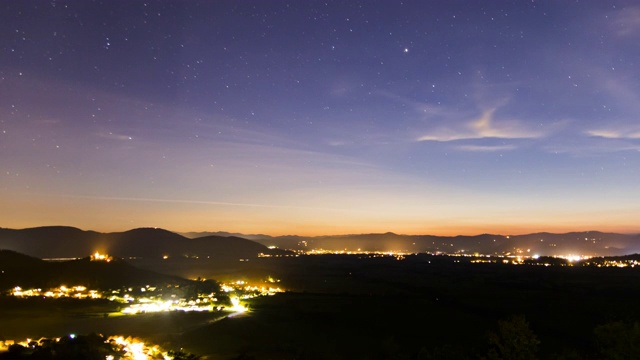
(513, 339)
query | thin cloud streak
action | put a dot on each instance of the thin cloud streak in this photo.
(481, 148)
(614, 134)
(483, 127)
(579, 146)
(204, 202)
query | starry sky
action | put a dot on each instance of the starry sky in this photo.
(321, 117)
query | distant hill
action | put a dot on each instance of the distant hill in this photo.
(50, 241)
(66, 242)
(14, 260)
(59, 241)
(592, 243)
(17, 269)
(194, 235)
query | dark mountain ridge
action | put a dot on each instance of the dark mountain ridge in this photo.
(68, 242)
(60, 241)
(199, 234)
(592, 243)
(29, 272)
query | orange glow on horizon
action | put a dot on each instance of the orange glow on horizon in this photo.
(311, 231)
(107, 216)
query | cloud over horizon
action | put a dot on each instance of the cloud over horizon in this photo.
(485, 126)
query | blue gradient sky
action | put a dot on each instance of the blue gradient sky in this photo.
(314, 117)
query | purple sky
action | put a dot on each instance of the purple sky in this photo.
(331, 117)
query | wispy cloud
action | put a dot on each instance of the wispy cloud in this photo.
(483, 127)
(627, 21)
(615, 133)
(188, 201)
(485, 148)
(601, 142)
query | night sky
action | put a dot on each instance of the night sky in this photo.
(321, 117)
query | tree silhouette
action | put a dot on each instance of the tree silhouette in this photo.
(618, 340)
(513, 341)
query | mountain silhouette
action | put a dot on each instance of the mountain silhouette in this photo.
(69, 242)
(29, 272)
(61, 241)
(592, 243)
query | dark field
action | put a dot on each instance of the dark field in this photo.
(351, 307)
(38, 318)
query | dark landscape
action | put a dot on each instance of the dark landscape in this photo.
(155, 242)
(366, 305)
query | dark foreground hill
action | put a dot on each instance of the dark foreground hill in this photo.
(21, 270)
(63, 242)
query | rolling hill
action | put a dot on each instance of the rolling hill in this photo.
(60, 241)
(69, 242)
(592, 243)
(17, 269)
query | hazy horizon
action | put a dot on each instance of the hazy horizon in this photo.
(318, 235)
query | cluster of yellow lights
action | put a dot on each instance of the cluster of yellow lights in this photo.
(158, 303)
(101, 257)
(617, 263)
(573, 258)
(143, 304)
(146, 305)
(236, 307)
(357, 252)
(133, 348)
(263, 255)
(251, 291)
(78, 292)
(240, 289)
(137, 350)
(180, 305)
(128, 298)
